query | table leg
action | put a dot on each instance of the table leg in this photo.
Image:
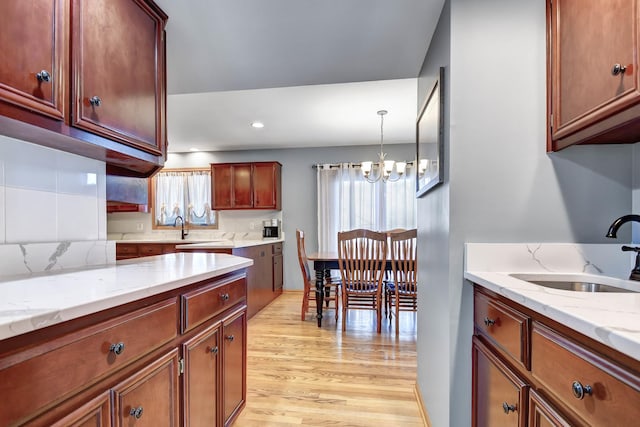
(319, 294)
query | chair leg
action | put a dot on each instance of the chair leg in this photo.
(337, 300)
(379, 314)
(305, 305)
(397, 301)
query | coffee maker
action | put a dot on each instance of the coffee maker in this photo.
(271, 229)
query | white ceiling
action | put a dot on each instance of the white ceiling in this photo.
(314, 71)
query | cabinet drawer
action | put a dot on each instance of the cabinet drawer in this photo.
(204, 303)
(563, 367)
(504, 326)
(77, 360)
(126, 249)
(148, 250)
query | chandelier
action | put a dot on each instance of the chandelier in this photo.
(387, 170)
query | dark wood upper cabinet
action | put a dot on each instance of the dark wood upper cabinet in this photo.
(117, 69)
(86, 77)
(33, 52)
(593, 81)
(246, 185)
(267, 185)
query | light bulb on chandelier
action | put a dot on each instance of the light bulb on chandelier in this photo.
(385, 168)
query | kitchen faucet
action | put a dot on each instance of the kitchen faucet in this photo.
(612, 233)
(182, 233)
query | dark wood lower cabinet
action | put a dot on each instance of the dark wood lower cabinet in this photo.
(500, 396)
(139, 364)
(234, 365)
(200, 382)
(150, 396)
(531, 371)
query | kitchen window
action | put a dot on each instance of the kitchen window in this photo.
(184, 193)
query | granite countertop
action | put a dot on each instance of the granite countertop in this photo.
(34, 302)
(612, 319)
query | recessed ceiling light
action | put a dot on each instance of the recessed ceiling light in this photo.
(194, 149)
(257, 125)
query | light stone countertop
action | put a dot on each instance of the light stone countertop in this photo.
(38, 301)
(612, 319)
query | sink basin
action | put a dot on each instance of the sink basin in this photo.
(571, 282)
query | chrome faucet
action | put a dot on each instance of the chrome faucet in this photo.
(612, 233)
(182, 232)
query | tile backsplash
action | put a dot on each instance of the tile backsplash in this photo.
(52, 210)
(48, 195)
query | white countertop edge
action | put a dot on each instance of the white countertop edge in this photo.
(26, 315)
(617, 327)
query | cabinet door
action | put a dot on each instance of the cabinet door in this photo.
(266, 185)
(242, 186)
(222, 183)
(499, 396)
(95, 413)
(118, 71)
(234, 365)
(277, 273)
(588, 39)
(32, 65)
(149, 397)
(542, 414)
(200, 379)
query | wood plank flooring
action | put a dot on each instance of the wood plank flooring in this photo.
(299, 374)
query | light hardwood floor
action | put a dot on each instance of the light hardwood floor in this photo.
(299, 374)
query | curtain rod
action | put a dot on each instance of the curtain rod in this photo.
(338, 165)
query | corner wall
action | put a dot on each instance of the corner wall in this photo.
(501, 185)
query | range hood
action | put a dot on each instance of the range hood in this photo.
(127, 194)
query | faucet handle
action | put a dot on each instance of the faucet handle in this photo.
(630, 249)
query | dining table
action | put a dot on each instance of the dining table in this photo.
(323, 263)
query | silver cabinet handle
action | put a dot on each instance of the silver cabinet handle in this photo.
(580, 390)
(44, 76)
(489, 322)
(117, 349)
(136, 412)
(508, 408)
(230, 337)
(618, 69)
(95, 101)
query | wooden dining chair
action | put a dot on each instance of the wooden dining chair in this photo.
(362, 256)
(331, 286)
(401, 290)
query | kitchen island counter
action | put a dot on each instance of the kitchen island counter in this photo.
(34, 302)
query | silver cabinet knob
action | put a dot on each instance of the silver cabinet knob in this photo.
(230, 337)
(44, 76)
(508, 408)
(117, 348)
(580, 390)
(95, 101)
(213, 350)
(489, 322)
(136, 412)
(618, 69)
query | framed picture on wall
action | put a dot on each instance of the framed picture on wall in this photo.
(429, 139)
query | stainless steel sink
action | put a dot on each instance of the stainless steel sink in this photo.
(571, 282)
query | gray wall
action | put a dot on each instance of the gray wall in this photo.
(299, 191)
(501, 185)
